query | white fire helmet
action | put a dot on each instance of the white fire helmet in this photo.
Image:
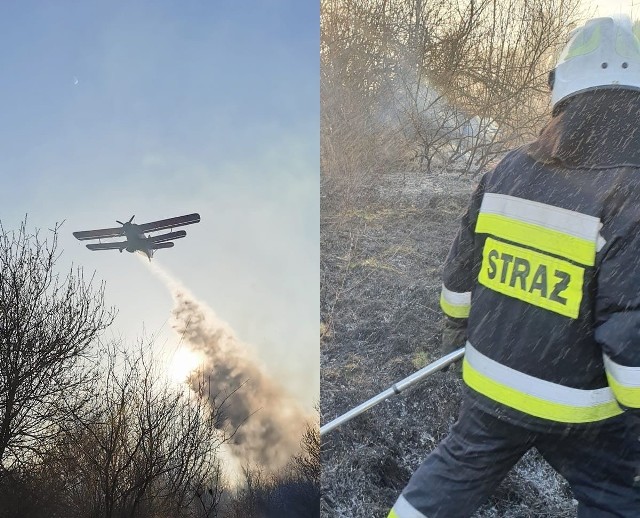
(604, 53)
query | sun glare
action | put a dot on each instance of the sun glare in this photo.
(183, 363)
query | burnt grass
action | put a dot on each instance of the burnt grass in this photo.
(381, 257)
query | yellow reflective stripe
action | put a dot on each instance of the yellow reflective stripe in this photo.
(544, 215)
(565, 245)
(392, 514)
(533, 405)
(535, 278)
(454, 311)
(585, 42)
(624, 381)
(536, 406)
(628, 396)
(454, 304)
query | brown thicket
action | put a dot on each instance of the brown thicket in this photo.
(413, 85)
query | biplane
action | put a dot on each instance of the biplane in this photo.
(136, 238)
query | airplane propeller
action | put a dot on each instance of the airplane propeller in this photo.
(130, 220)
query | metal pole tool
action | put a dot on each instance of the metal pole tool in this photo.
(396, 388)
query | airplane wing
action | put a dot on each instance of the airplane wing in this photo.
(98, 234)
(155, 246)
(164, 224)
(167, 237)
(107, 246)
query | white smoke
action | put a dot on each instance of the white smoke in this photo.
(264, 423)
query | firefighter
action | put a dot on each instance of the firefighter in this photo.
(542, 284)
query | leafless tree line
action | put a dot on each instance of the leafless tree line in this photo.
(294, 492)
(93, 430)
(413, 84)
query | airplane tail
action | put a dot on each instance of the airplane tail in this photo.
(155, 246)
(147, 253)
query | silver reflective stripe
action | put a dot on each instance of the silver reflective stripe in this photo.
(533, 386)
(456, 298)
(601, 240)
(626, 376)
(562, 220)
(403, 509)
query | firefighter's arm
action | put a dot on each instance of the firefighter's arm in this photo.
(458, 277)
(618, 316)
(618, 324)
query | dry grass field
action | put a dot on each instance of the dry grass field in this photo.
(380, 272)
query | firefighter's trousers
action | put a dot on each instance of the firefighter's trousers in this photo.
(599, 463)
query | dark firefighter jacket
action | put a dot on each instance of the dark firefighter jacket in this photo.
(546, 267)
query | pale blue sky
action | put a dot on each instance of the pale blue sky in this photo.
(162, 108)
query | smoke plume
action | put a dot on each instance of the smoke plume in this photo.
(264, 422)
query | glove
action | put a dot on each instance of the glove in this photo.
(454, 336)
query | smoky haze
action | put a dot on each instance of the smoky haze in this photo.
(264, 422)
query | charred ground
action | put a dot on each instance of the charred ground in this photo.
(381, 264)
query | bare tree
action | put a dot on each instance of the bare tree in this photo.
(307, 465)
(48, 324)
(407, 82)
(294, 492)
(143, 447)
